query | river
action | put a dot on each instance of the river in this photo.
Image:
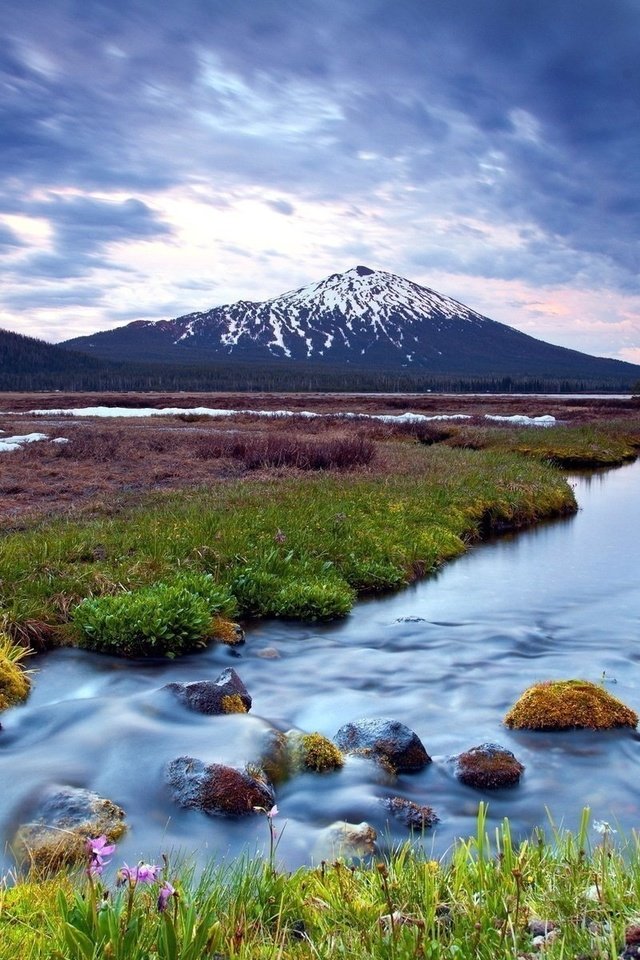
(558, 600)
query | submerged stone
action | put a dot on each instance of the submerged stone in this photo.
(569, 704)
(387, 741)
(217, 789)
(62, 822)
(227, 694)
(413, 815)
(488, 767)
(342, 839)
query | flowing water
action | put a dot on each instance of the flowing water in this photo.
(447, 656)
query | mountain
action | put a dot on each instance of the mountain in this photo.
(365, 319)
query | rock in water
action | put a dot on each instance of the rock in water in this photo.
(411, 814)
(227, 694)
(217, 789)
(342, 839)
(569, 704)
(488, 767)
(387, 741)
(61, 824)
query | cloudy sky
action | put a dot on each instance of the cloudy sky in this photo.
(164, 156)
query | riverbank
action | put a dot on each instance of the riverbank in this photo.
(301, 544)
(562, 894)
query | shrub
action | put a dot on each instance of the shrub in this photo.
(285, 450)
(267, 595)
(162, 620)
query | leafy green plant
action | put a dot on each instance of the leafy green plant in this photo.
(162, 620)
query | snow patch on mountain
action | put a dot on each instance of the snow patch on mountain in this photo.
(351, 310)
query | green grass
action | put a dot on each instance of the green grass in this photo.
(300, 547)
(604, 444)
(475, 903)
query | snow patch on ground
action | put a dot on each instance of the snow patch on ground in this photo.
(213, 412)
(14, 443)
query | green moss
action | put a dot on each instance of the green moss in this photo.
(569, 704)
(14, 681)
(320, 754)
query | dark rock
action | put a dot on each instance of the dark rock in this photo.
(64, 819)
(411, 814)
(387, 741)
(227, 694)
(488, 767)
(217, 789)
(410, 620)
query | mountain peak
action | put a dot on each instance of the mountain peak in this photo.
(361, 318)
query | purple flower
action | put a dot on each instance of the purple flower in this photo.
(97, 849)
(273, 812)
(166, 892)
(143, 873)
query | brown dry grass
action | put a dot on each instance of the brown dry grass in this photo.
(106, 463)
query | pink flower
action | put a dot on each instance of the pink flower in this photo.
(143, 873)
(98, 848)
(166, 892)
(273, 812)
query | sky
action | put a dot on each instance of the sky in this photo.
(159, 157)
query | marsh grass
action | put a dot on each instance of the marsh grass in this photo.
(292, 546)
(477, 902)
(587, 445)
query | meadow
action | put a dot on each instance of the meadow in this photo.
(245, 519)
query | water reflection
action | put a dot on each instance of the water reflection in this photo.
(447, 656)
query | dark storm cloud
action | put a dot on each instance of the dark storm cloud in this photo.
(505, 110)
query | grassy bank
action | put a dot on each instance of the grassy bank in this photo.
(571, 895)
(606, 444)
(294, 546)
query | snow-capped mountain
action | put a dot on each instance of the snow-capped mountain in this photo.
(361, 318)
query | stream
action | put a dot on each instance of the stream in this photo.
(447, 656)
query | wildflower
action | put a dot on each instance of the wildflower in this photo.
(98, 848)
(273, 812)
(280, 537)
(166, 892)
(143, 873)
(601, 826)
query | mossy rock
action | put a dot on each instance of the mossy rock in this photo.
(413, 815)
(64, 820)
(217, 789)
(386, 741)
(226, 694)
(314, 752)
(569, 705)
(226, 631)
(14, 681)
(488, 767)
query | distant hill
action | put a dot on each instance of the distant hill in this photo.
(365, 320)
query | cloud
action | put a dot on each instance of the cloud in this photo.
(486, 141)
(281, 206)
